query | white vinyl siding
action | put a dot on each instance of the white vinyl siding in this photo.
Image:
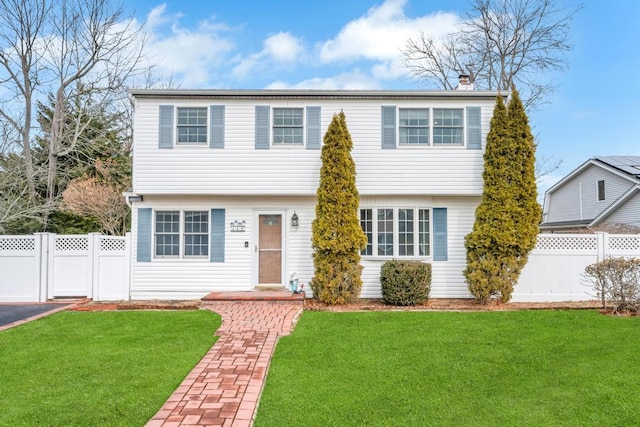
(577, 199)
(241, 169)
(447, 278)
(189, 278)
(169, 278)
(627, 213)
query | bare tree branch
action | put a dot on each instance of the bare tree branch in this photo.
(501, 43)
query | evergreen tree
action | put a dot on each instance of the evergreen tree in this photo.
(507, 219)
(337, 237)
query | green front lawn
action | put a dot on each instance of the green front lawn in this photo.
(98, 368)
(551, 368)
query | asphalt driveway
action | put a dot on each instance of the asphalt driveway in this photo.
(10, 313)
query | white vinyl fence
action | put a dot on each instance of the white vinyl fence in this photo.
(45, 266)
(556, 265)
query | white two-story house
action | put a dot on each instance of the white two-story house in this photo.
(224, 184)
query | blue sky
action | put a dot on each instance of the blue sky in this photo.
(356, 44)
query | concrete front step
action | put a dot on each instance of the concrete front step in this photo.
(256, 295)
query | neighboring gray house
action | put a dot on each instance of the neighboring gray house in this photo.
(603, 192)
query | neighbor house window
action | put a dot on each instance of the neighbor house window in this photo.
(287, 126)
(601, 193)
(414, 126)
(188, 230)
(192, 125)
(396, 232)
(447, 126)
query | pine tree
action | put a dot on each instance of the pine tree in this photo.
(507, 219)
(337, 237)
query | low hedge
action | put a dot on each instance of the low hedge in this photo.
(405, 282)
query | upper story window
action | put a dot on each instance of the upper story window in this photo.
(601, 191)
(414, 126)
(431, 127)
(288, 126)
(447, 126)
(192, 126)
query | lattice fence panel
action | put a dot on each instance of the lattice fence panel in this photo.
(620, 244)
(17, 244)
(567, 243)
(72, 244)
(112, 244)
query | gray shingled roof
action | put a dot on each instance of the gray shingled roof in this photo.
(626, 164)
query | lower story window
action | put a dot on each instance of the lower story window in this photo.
(399, 232)
(196, 233)
(175, 230)
(167, 233)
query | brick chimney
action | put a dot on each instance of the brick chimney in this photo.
(464, 82)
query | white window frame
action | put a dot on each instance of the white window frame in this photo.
(434, 126)
(302, 127)
(410, 126)
(182, 214)
(206, 126)
(431, 127)
(373, 244)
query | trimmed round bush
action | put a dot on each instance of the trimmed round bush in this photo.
(405, 282)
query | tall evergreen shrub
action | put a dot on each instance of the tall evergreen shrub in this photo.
(506, 224)
(337, 237)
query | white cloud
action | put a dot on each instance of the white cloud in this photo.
(191, 55)
(281, 50)
(283, 47)
(382, 33)
(354, 80)
(206, 54)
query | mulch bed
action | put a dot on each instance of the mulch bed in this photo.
(136, 305)
(358, 305)
(450, 305)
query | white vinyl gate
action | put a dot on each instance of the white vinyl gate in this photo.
(46, 266)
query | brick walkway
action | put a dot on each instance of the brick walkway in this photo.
(224, 388)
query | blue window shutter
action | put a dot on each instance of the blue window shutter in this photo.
(217, 235)
(144, 235)
(216, 126)
(474, 136)
(313, 128)
(388, 126)
(439, 234)
(262, 127)
(165, 133)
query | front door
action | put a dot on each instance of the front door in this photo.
(269, 249)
